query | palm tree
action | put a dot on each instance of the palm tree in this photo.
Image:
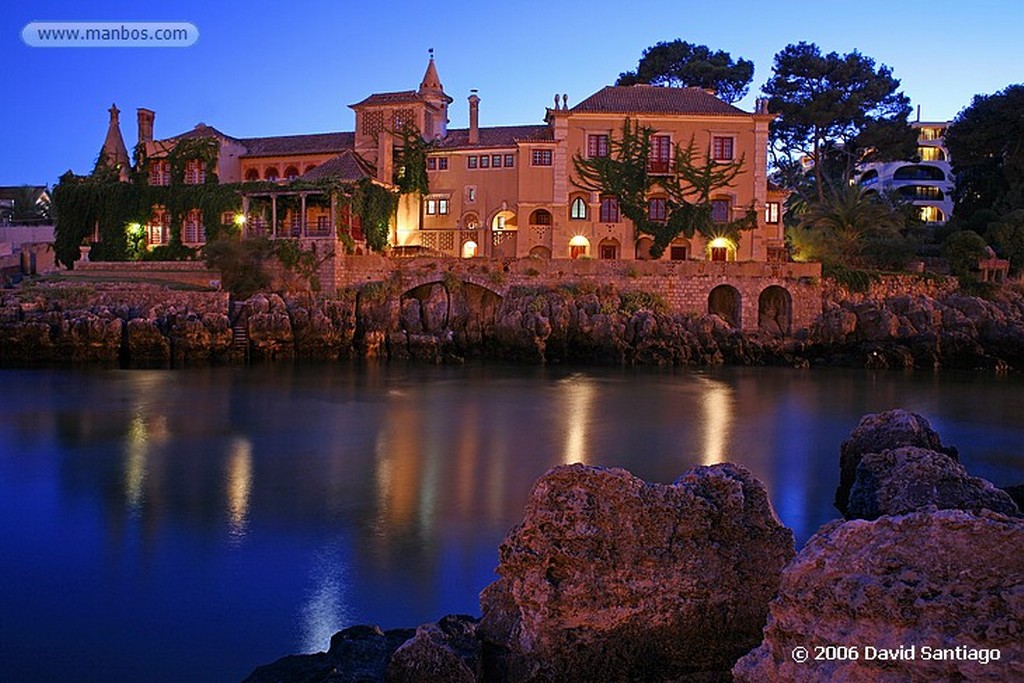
(840, 227)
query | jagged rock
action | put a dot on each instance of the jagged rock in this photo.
(906, 479)
(609, 577)
(190, 340)
(412, 320)
(270, 335)
(26, 341)
(447, 651)
(359, 654)
(93, 338)
(1016, 493)
(435, 309)
(145, 341)
(931, 579)
(879, 432)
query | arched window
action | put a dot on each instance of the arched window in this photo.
(578, 209)
(252, 175)
(470, 221)
(720, 209)
(578, 246)
(609, 209)
(540, 217)
(271, 174)
(657, 209)
(291, 173)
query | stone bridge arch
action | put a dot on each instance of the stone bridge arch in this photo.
(775, 311)
(726, 302)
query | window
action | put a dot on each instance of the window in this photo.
(510, 160)
(540, 217)
(771, 212)
(720, 210)
(291, 173)
(270, 174)
(194, 230)
(660, 160)
(578, 209)
(721, 148)
(431, 164)
(471, 194)
(442, 163)
(597, 145)
(931, 154)
(252, 175)
(719, 253)
(496, 160)
(195, 172)
(437, 206)
(678, 253)
(485, 161)
(657, 209)
(541, 157)
(471, 162)
(609, 209)
(159, 172)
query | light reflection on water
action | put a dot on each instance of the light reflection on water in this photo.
(268, 507)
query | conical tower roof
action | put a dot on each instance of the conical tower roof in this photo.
(114, 153)
(431, 83)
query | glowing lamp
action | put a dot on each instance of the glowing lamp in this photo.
(239, 219)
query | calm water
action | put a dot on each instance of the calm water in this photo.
(192, 524)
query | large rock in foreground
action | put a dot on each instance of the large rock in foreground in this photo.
(949, 584)
(880, 432)
(609, 577)
(907, 479)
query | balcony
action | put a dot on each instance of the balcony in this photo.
(660, 166)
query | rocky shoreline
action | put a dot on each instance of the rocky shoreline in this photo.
(450, 322)
(611, 578)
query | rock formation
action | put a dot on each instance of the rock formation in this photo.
(879, 432)
(906, 479)
(609, 577)
(934, 581)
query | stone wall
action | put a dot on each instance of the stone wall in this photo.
(182, 272)
(889, 286)
(684, 285)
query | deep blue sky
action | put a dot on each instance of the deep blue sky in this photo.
(293, 67)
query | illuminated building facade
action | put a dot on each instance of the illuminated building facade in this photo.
(498, 191)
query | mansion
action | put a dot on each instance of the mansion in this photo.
(494, 191)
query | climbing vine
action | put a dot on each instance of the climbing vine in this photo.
(411, 161)
(625, 173)
(375, 205)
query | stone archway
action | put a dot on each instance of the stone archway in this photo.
(775, 311)
(725, 302)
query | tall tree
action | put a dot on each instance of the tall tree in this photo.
(986, 143)
(680, 64)
(625, 174)
(836, 110)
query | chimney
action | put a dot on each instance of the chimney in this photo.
(385, 157)
(474, 117)
(145, 119)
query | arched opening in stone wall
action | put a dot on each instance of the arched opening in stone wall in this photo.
(724, 301)
(643, 249)
(579, 246)
(469, 248)
(608, 249)
(775, 311)
(465, 310)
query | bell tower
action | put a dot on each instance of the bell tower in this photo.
(432, 92)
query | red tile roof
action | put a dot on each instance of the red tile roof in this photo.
(347, 166)
(401, 97)
(496, 136)
(648, 99)
(282, 145)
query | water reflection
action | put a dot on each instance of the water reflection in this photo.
(421, 472)
(577, 394)
(238, 485)
(717, 420)
(325, 610)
